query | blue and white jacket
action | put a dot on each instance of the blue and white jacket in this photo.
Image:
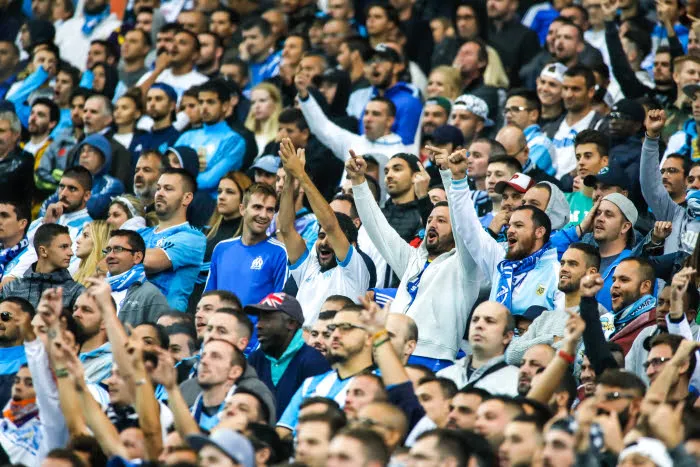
(542, 151)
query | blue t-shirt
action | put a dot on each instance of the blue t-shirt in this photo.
(185, 247)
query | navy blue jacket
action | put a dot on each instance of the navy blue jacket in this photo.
(306, 362)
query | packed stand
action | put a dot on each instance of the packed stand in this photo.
(349, 233)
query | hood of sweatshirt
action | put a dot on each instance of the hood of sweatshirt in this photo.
(188, 158)
(58, 277)
(41, 30)
(558, 208)
(100, 143)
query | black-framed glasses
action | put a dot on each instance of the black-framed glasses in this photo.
(617, 395)
(655, 362)
(344, 327)
(117, 250)
(5, 316)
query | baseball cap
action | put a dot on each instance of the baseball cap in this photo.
(651, 448)
(532, 313)
(555, 71)
(267, 163)
(384, 52)
(167, 89)
(265, 436)
(441, 101)
(230, 442)
(475, 105)
(519, 182)
(448, 134)
(278, 301)
(625, 205)
(690, 90)
(610, 176)
(628, 109)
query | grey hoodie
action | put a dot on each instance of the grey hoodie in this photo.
(558, 208)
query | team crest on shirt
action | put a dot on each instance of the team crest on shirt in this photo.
(540, 290)
(257, 263)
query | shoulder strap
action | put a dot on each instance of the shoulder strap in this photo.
(498, 366)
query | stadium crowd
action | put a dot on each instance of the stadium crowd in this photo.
(349, 233)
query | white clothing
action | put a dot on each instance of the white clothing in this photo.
(74, 45)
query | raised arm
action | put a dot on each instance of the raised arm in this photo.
(656, 196)
(294, 161)
(593, 337)
(293, 242)
(165, 373)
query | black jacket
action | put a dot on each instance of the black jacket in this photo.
(408, 219)
(17, 176)
(516, 44)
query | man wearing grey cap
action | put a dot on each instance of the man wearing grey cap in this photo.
(265, 169)
(471, 115)
(224, 447)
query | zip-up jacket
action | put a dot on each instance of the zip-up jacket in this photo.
(32, 285)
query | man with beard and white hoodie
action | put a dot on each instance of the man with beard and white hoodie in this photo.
(439, 279)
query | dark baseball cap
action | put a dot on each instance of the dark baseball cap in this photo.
(610, 176)
(448, 134)
(532, 313)
(278, 301)
(628, 109)
(384, 52)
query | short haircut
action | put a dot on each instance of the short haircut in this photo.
(583, 71)
(170, 27)
(326, 315)
(89, 445)
(179, 316)
(293, 116)
(646, 270)
(258, 189)
(264, 409)
(348, 199)
(238, 359)
(482, 393)
(674, 341)
(342, 299)
(163, 339)
(46, 233)
(244, 322)
(482, 55)
(372, 444)
(66, 455)
(107, 106)
(81, 175)
(687, 164)
(218, 87)
(569, 22)
(539, 219)
(45, 46)
(427, 372)
(189, 183)
(391, 107)
(589, 136)
(590, 252)
(21, 208)
(233, 15)
(15, 124)
(447, 386)
(134, 239)
(347, 226)
(22, 303)
(391, 12)
(450, 443)
(110, 49)
(226, 297)
(193, 36)
(257, 22)
(85, 93)
(54, 111)
(510, 162)
(330, 403)
(360, 45)
(71, 71)
(622, 379)
(530, 96)
(186, 328)
(334, 419)
(145, 37)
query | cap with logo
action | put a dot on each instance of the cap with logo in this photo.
(628, 109)
(651, 448)
(384, 52)
(519, 182)
(609, 176)
(441, 101)
(278, 301)
(475, 105)
(554, 71)
(267, 163)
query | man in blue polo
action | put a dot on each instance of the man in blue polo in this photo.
(283, 361)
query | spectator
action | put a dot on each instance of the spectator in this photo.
(549, 90)
(16, 165)
(253, 254)
(9, 59)
(352, 57)
(258, 49)
(463, 407)
(470, 115)
(443, 81)
(137, 300)
(224, 22)
(137, 43)
(161, 101)
(535, 360)
(514, 141)
(88, 248)
(14, 311)
(43, 119)
(14, 221)
(149, 168)
(280, 319)
(208, 304)
(174, 250)
(211, 51)
(314, 434)
(493, 416)
(183, 341)
(127, 111)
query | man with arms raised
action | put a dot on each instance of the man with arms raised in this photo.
(174, 250)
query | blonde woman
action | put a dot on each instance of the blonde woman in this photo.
(444, 81)
(89, 248)
(265, 108)
(126, 212)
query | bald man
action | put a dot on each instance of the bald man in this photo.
(387, 420)
(403, 333)
(535, 360)
(513, 139)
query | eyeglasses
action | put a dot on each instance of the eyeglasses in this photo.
(116, 249)
(655, 362)
(670, 171)
(616, 396)
(344, 327)
(620, 116)
(5, 316)
(515, 108)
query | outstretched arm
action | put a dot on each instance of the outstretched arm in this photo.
(294, 161)
(286, 231)
(656, 196)
(165, 374)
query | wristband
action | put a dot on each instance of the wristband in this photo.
(380, 334)
(61, 373)
(566, 356)
(377, 344)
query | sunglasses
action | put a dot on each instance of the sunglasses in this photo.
(5, 316)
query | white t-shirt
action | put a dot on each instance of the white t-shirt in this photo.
(124, 139)
(349, 278)
(564, 144)
(32, 148)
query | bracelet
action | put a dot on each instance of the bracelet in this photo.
(383, 341)
(566, 356)
(61, 373)
(380, 334)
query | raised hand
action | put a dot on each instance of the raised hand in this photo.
(591, 285)
(679, 291)
(53, 212)
(662, 229)
(164, 373)
(586, 224)
(609, 8)
(100, 291)
(654, 123)
(458, 164)
(421, 182)
(356, 167)
(666, 424)
(50, 308)
(302, 81)
(294, 160)
(373, 317)
(439, 155)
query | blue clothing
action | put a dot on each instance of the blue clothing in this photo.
(541, 149)
(97, 363)
(160, 140)
(250, 272)
(659, 33)
(305, 223)
(185, 247)
(20, 95)
(65, 124)
(540, 24)
(304, 363)
(433, 364)
(225, 152)
(5, 85)
(11, 359)
(409, 109)
(603, 296)
(266, 69)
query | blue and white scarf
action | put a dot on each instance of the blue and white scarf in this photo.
(643, 305)
(92, 20)
(128, 278)
(8, 254)
(509, 269)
